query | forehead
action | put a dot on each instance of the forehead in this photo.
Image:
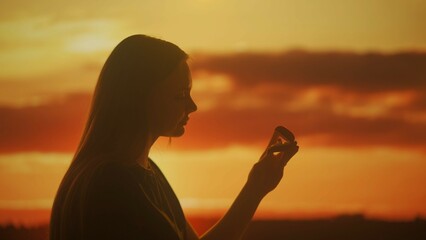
(180, 77)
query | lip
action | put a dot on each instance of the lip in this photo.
(185, 121)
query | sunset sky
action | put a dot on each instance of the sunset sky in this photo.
(347, 77)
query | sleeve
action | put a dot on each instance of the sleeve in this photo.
(116, 209)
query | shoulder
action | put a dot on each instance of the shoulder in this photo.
(116, 181)
(155, 167)
(113, 178)
(113, 187)
(112, 169)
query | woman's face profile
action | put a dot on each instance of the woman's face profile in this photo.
(171, 103)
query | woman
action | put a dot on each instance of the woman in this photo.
(112, 189)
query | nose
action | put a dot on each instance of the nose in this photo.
(192, 107)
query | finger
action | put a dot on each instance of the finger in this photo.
(280, 153)
(273, 138)
(288, 155)
(281, 147)
(277, 153)
(287, 134)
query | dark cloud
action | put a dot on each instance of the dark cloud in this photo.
(57, 126)
(368, 72)
(267, 88)
(418, 103)
(229, 126)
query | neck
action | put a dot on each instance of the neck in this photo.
(143, 157)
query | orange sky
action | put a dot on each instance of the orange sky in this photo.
(347, 77)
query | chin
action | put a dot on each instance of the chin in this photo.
(178, 132)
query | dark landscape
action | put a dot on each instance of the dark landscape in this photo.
(342, 227)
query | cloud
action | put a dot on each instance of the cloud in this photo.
(41, 44)
(54, 126)
(370, 72)
(327, 99)
(312, 127)
(37, 89)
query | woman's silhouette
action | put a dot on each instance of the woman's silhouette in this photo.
(112, 189)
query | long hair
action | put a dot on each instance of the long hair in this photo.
(117, 126)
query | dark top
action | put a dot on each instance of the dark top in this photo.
(131, 202)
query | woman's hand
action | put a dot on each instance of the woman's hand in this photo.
(264, 177)
(268, 171)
